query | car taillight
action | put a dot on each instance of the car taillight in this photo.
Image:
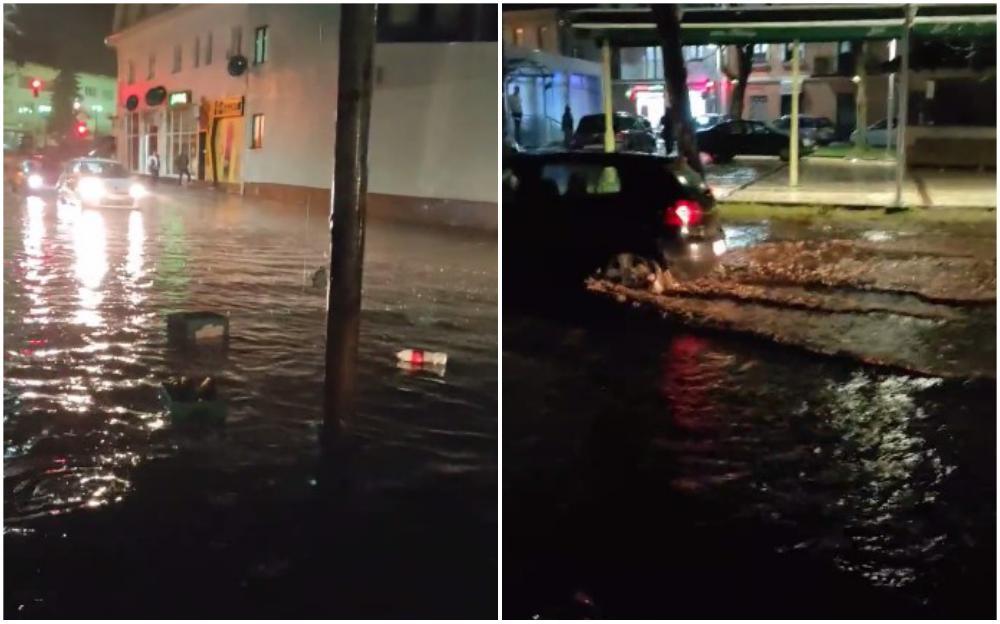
(683, 213)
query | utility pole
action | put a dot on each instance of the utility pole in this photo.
(904, 101)
(609, 117)
(793, 138)
(347, 215)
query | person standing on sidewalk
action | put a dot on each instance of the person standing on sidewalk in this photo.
(153, 166)
(181, 164)
(516, 112)
(567, 126)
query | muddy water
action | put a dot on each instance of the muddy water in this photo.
(654, 472)
(110, 508)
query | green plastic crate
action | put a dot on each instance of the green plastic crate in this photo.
(193, 412)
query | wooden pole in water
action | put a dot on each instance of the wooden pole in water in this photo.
(347, 214)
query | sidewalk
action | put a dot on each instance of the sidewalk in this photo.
(832, 182)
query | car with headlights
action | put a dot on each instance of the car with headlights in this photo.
(570, 215)
(99, 183)
(38, 174)
(739, 137)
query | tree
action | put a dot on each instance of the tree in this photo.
(668, 24)
(65, 91)
(744, 63)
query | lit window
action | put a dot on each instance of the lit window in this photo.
(260, 45)
(44, 108)
(518, 36)
(97, 108)
(257, 141)
(177, 58)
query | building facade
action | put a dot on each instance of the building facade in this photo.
(638, 86)
(831, 80)
(551, 69)
(26, 115)
(249, 93)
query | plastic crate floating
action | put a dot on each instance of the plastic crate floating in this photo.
(185, 329)
(190, 402)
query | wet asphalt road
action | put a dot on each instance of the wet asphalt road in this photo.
(113, 511)
(653, 470)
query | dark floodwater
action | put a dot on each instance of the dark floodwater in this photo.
(651, 471)
(110, 511)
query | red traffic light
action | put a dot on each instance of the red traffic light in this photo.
(81, 128)
(36, 84)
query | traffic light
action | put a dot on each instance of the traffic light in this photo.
(81, 129)
(36, 86)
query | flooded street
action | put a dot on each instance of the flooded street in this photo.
(106, 500)
(715, 462)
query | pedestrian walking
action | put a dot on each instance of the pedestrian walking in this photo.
(667, 132)
(181, 164)
(153, 166)
(516, 112)
(567, 126)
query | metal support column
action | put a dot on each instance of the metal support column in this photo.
(904, 101)
(793, 139)
(609, 127)
(347, 214)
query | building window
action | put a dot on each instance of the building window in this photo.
(151, 70)
(90, 91)
(196, 56)
(235, 41)
(44, 109)
(181, 137)
(760, 52)
(788, 49)
(260, 45)
(518, 36)
(402, 15)
(130, 77)
(542, 34)
(177, 58)
(208, 49)
(257, 140)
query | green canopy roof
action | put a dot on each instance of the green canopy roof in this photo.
(785, 23)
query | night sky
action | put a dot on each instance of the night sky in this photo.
(65, 36)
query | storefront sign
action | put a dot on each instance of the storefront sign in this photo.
(229, 107)
(179, 98)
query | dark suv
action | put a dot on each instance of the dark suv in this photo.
(632, 134)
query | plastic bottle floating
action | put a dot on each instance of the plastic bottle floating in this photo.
(419, 357)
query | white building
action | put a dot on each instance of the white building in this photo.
(269, 131)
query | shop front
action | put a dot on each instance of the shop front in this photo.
(225, 141)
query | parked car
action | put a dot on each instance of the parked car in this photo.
(99, 183)
(819, 129)
(877, 134)
(568, 215)
(707, 121)
(730, 138)
(632, 133)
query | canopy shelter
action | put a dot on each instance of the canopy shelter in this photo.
(787, 23)
(743, 24)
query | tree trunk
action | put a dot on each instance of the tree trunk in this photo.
(668, 24)
(744, 61)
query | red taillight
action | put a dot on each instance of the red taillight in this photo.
(683, 213)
